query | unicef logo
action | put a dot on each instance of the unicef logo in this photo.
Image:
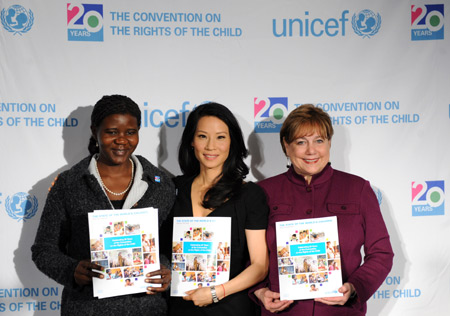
(366, 23)
(16, 19)
(21, 206)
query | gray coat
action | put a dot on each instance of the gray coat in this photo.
(62, 240)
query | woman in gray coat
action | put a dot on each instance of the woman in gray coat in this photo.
(110, 178)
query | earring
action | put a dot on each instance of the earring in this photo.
(96, 144)
(288, 163)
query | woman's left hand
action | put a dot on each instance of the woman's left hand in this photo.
(346, 289)
(165, 279)
(200, 297)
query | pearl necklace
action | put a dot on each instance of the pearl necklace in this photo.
(129, 185)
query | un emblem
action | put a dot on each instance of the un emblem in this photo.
(366, 23)
(16, 19)
(21, 206)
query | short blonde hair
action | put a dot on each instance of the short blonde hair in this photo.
(303, 121)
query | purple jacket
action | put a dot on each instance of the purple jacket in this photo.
(352, 200)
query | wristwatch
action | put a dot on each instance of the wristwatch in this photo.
(214, 294)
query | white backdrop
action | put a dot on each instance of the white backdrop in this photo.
(382, 74)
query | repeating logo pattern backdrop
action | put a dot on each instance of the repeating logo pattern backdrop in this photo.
(380, 69)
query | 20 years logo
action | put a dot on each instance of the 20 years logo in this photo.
(427, 22)
(269, 114)
(85, 22)
(428, 198)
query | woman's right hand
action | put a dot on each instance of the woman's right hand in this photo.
(271, 300)
(165, 276)
(83, 272)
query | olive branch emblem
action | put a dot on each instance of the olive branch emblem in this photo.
(366, 35)
(25, 29)
(28, 214)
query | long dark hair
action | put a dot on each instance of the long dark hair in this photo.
(108, 105)
(234, 169)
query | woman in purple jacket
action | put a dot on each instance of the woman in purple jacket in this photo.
(311, 188)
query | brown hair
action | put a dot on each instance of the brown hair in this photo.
(303, 121)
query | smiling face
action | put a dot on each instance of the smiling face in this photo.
(117, 137)
(211, 143)
(309, 154)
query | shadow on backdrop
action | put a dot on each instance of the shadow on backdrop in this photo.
(400, 269)
(76, 140)
(167, 153)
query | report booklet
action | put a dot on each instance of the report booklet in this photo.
(308, 254)
(126, 243)
(201, 248)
